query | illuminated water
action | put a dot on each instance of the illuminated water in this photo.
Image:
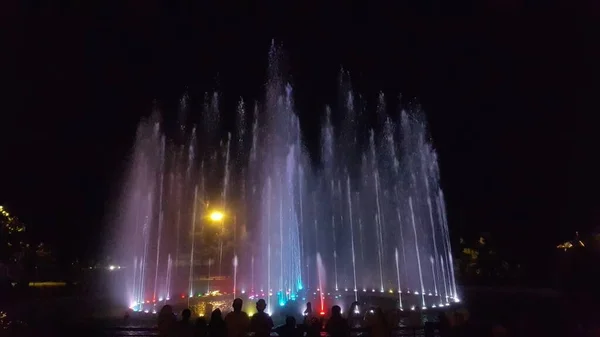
(370, 208)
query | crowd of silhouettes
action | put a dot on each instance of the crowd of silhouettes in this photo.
(237, 323)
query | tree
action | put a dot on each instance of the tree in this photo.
(480, 262)
(16, 250)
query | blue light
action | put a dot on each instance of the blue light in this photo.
(281, 303)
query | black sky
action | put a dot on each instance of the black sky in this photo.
(508, 88)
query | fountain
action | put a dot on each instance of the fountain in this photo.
(322, 280)
(370, 214)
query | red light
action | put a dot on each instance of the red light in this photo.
(182, 296)
(322, 313)
(147, 301)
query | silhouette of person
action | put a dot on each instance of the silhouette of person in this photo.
(216, 327)
(185, 327)
(308, 316)
(312, 324)
(289, 329)
(261, 323)
(377, 323)
(354, 317)
(337, 326)
(237, 321)
(201, 328)
(308, 311)
(166, 321)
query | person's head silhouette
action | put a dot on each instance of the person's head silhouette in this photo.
(261, 305)
(336, 311)
(290, 321)
(166, 309)
(308, 310)
(216, 316)
(186, 314)
(237, 305)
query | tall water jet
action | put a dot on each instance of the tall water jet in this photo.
(432, 260)
(209, 263)
(352, 237)
(224, 195)
(235, 267)
(192, 251)
(160, 212)
(322, 282)
(398, 278)
(412, 215)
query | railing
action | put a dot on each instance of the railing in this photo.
(428, 331)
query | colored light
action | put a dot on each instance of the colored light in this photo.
(322, 313)
(216, 216)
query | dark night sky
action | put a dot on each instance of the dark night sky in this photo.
(508, 88)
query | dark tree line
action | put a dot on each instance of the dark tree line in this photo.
(480, 261)
(20, 258)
